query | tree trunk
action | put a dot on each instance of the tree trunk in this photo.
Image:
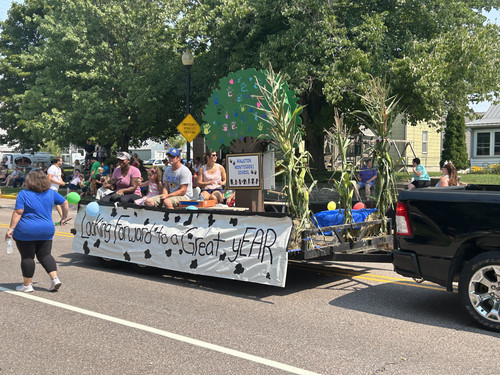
(316, 116)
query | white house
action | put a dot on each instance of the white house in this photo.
(150, 149)
(484, 138)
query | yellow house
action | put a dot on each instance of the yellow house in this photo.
(408, 142)
(423, 141)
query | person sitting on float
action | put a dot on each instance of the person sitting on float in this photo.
(177, 183)
(126, 179)
(212, 178)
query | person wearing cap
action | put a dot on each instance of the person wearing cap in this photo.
(177, 183)
(126, 179)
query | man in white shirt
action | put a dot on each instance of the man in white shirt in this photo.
(54, 173)
(177, 182)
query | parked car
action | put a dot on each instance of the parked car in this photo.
(154, 163)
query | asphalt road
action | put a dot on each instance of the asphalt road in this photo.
(347, 319)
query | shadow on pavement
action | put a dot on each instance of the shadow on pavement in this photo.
(297, 280)
(411, 304)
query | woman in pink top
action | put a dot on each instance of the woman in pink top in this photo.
(126, 179)
(212, 178)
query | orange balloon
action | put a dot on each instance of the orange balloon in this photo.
(359, 206)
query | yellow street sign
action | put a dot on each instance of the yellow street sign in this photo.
(189, 128)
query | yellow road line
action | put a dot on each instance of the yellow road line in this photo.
(60, 234)
(367, 276)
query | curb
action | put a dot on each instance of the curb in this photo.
(9, 196)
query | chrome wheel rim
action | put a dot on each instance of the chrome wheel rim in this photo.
(484, 292)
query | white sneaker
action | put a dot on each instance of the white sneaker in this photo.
(25, 289)
(55, 284)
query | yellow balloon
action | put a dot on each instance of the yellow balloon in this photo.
(331, 206)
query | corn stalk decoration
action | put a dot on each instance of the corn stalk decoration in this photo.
(379, 116)
(346, 184)
(286, 136)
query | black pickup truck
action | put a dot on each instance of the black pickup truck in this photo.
(447, 235)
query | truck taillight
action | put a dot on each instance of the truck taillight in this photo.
(403, 227)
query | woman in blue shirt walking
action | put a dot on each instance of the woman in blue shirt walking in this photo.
(32, 228)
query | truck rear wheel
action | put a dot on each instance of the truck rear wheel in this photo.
(479, 289)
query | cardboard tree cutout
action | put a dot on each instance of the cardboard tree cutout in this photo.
(232, 117)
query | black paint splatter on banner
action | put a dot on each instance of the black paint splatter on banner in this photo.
(222, 256)
(194, 264)
(147, 254)
(168, 252)
(135, 213)
(114, 212)
(97, 243)
(86, 249)
(233, 221)
(238, 269)
(211, 220)
(188, 221)
(73, 230)
(268, 276)
(126, 256)
(177, 219)
(180, 251)
(165, 217)
(190, 236)
(146, 222)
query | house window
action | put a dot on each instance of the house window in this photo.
(424, 142)
(497, 143)
(483, 144)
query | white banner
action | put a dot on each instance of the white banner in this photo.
(242, 247)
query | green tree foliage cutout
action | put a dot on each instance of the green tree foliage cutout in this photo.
(233, 110)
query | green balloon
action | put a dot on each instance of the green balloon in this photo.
(73, 198)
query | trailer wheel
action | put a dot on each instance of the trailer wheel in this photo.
(107, 263)
(479, 289)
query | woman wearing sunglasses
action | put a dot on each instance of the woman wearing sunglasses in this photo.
(212, 178)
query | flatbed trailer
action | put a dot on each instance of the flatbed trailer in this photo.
(233, 244)
(362, 245)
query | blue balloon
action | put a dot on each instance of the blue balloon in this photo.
(92, 209)
(190, 207)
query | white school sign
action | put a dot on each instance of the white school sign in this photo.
(246, 247)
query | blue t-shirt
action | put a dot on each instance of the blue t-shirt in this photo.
(366, 173)
(36, 221)
(106, 171)
(424, 176)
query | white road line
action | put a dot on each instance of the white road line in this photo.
(170, 335)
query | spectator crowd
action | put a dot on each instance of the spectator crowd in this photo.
(161, 187)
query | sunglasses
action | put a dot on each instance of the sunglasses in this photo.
(213, 155)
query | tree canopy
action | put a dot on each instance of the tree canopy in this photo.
(105, 69)
(111, 68)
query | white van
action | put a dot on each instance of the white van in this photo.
(26, 160)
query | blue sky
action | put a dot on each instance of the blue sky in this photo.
(494, 16)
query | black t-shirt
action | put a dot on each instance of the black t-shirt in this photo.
(89, 149)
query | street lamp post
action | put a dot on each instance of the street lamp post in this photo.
(187, 61)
